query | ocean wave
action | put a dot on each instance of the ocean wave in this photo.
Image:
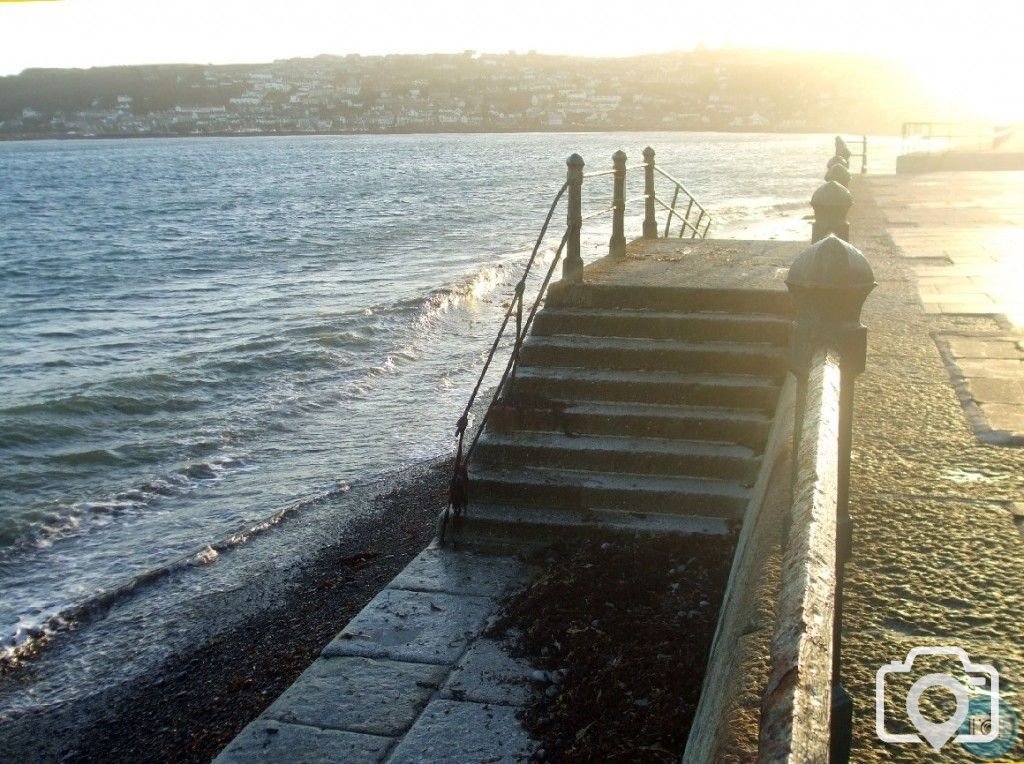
(68, 517)
(88, 457)
(28, 636)
(85, 404)
(475, 287)
(283, 358)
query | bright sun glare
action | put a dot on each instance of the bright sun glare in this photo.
(990, 89)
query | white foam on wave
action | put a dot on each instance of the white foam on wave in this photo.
(33, 628)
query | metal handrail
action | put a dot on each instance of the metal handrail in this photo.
(685, 223)
(510, 367)
(459, 490)
(680, 186)
(600, 173)
(516, 306)
(598, 213)
(684, 217)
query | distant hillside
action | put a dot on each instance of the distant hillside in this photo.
(740, 90)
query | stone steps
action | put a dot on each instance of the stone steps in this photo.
(633, 408)
(545, 524)
(743, 427)
(641, 456)
(636, 297)
(581, 490)
(662, 325)
(760, 359)
(741, 391)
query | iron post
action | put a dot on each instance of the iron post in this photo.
(572, 266)
(696, 228)
(617, 244)
(650, 220)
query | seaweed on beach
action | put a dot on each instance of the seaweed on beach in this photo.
(620, 629)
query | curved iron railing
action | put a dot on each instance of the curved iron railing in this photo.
(571, 271)
(684, 217)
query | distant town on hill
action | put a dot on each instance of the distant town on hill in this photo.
(470, 92)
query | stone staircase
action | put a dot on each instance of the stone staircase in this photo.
(633, 407)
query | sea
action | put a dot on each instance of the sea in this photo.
(202, 337)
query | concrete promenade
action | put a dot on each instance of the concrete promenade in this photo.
(961, 235)
(938, 558)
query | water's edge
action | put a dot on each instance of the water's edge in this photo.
(244, 646)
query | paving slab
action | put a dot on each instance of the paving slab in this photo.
(1006, 417)
(452, 731)
(988, 374)
(272, 741)
(975, 221)
(379, 697)
(460, 572)
(421, 627)
(985, 347)
(997, 368)
(487, 673)
(995, 390)
(937, 559)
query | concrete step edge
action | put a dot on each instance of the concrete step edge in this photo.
(710, 316)
(645, 410)
(610, 481)
(616, 444)
(515, 520)
(645, 344)
(585, 374)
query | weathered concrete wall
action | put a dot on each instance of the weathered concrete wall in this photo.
(725, 728)
(767, 691)
(795, 711)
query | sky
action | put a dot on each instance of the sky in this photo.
(970, 53)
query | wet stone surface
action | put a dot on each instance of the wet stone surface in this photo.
(423, 627)
(450, 731)
(459, 572)
(379, 697)
(488, 673)
(266, 740)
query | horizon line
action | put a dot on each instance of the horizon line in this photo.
(700, 48)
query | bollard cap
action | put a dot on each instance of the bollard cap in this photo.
(574, 160)
(831, 265)
(839, 174)
(648, 153)
(831, 195)
(838, 160)
(619, 157)
(828, 283)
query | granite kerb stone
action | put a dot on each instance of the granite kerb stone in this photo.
(421, 627)
(271, 740)
(486, 732)
(357, 694)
